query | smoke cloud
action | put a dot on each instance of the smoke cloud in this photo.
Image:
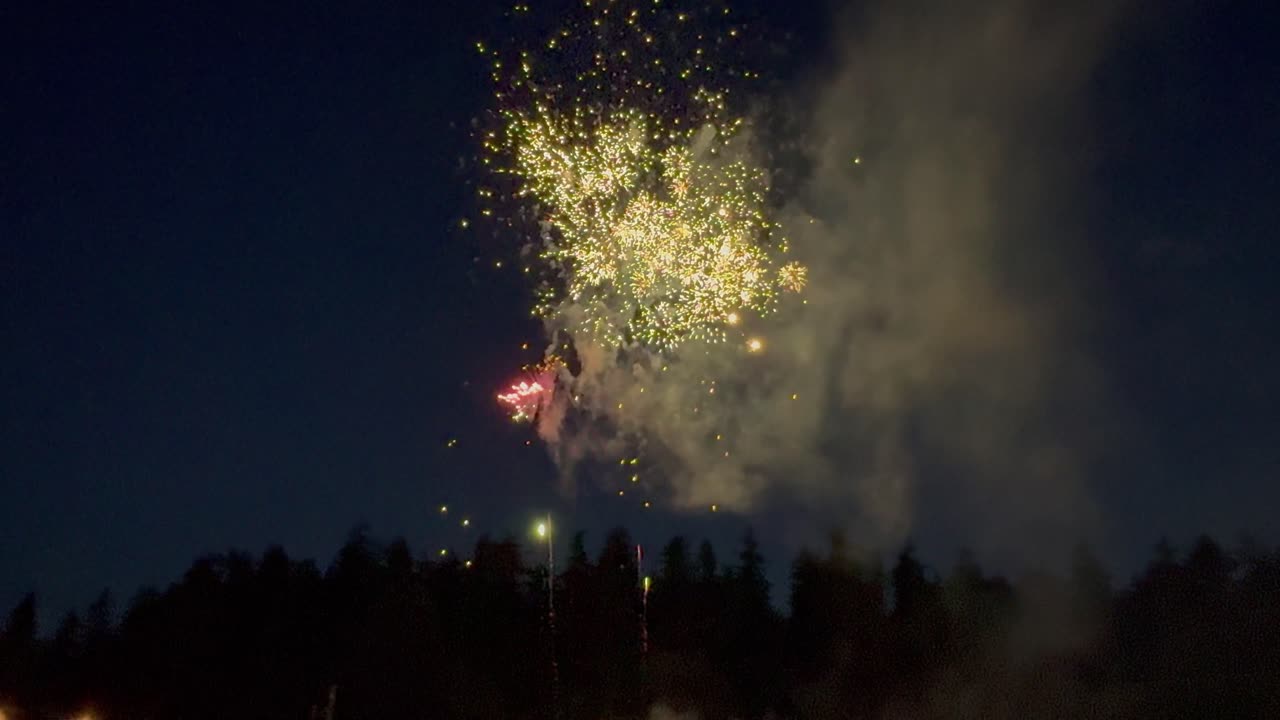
(939, 367)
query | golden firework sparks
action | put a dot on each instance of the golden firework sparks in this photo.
(651, 232)
(793, 276)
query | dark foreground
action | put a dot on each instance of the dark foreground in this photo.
(1195, 635)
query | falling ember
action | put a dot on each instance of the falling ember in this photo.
(755, 345)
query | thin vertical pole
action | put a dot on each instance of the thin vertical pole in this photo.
(644, 601)
(551, 618)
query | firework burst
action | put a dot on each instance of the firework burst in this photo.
(618, 158)
(617, 138)
(528, 395)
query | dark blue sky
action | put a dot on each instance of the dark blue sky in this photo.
(235, 310)
(1187, 224)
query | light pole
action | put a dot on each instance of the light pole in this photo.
(544, 532)
(643, 581)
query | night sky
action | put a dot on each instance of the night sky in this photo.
(237, 311)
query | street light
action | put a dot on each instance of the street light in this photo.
(544, 532)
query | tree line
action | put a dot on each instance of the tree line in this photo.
(382, 634)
